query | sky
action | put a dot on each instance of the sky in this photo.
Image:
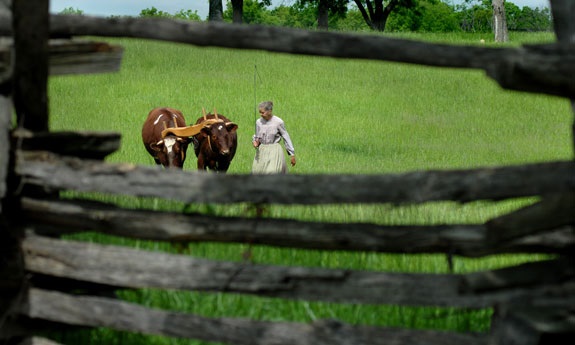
(134, 7)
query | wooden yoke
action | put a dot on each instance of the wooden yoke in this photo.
(190, 131)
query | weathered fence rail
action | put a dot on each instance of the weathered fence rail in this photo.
(55, 217)
(49, 283)
(133, 268)
(99, 312)
(496, 183)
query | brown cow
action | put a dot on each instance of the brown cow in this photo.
(171, 150)
(215, 145)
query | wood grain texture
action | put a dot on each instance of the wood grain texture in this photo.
(552, 211)
(53, 217)
(100, 312)
(5, 127)
(494, 183)
(86, 144)
(132, 268)
(31, 33)
(71, 57)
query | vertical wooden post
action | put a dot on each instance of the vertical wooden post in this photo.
(5, 119)
(30, 21)
(563, 12)
(28, 88)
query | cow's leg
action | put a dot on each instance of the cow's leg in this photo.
(213, 165)
(223, 165)
(196, 144)
(201, 164)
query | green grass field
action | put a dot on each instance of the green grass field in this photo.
(344, 116)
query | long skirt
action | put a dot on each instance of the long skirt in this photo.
(269, 159)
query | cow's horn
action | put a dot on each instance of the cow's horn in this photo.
(204, 113)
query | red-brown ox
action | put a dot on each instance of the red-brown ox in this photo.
(171, 150)
(215, 145)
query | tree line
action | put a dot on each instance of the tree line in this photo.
(368, 15)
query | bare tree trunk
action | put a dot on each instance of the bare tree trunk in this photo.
(216, 11)
(499, 21)
(238, 11)
(376, 14)
(323, 14)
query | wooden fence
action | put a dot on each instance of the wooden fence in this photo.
(40, 274)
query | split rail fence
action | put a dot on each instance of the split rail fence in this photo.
(41, 275)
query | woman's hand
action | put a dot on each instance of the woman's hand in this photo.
(292, 159)
(256, 143)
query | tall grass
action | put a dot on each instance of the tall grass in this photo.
(344, 116)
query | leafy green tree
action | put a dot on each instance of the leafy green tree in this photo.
(182, 14)
(353, 21)
(326, 10)
(513, 14)
(253, 12)
(188, 15)
(300, 14)
(283, 16)
(405, 19)
(437, 16)
(426, 15)
(476, 16)
(376, 12)
(296, 16)
(71, 10)
(248, 11)
(154, 12)
(534, 19)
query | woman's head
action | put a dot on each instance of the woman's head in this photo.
(267, 105)
(265, 109)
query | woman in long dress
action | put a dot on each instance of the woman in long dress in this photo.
(270, 129)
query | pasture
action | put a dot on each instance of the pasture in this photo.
(344, 116)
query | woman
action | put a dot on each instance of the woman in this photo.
(270, 129)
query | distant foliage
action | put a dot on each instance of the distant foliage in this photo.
(438, 17)
(188, 15)
(254, 12)
(182, 14)
(353, 21)
(425, 16)
(527, 18)
(71, 10)
(476, 16)
(154, 12)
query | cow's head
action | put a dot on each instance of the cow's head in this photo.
(221, 137)
(171, 151)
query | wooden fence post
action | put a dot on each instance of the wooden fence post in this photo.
(564, 26)
(31, 33)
